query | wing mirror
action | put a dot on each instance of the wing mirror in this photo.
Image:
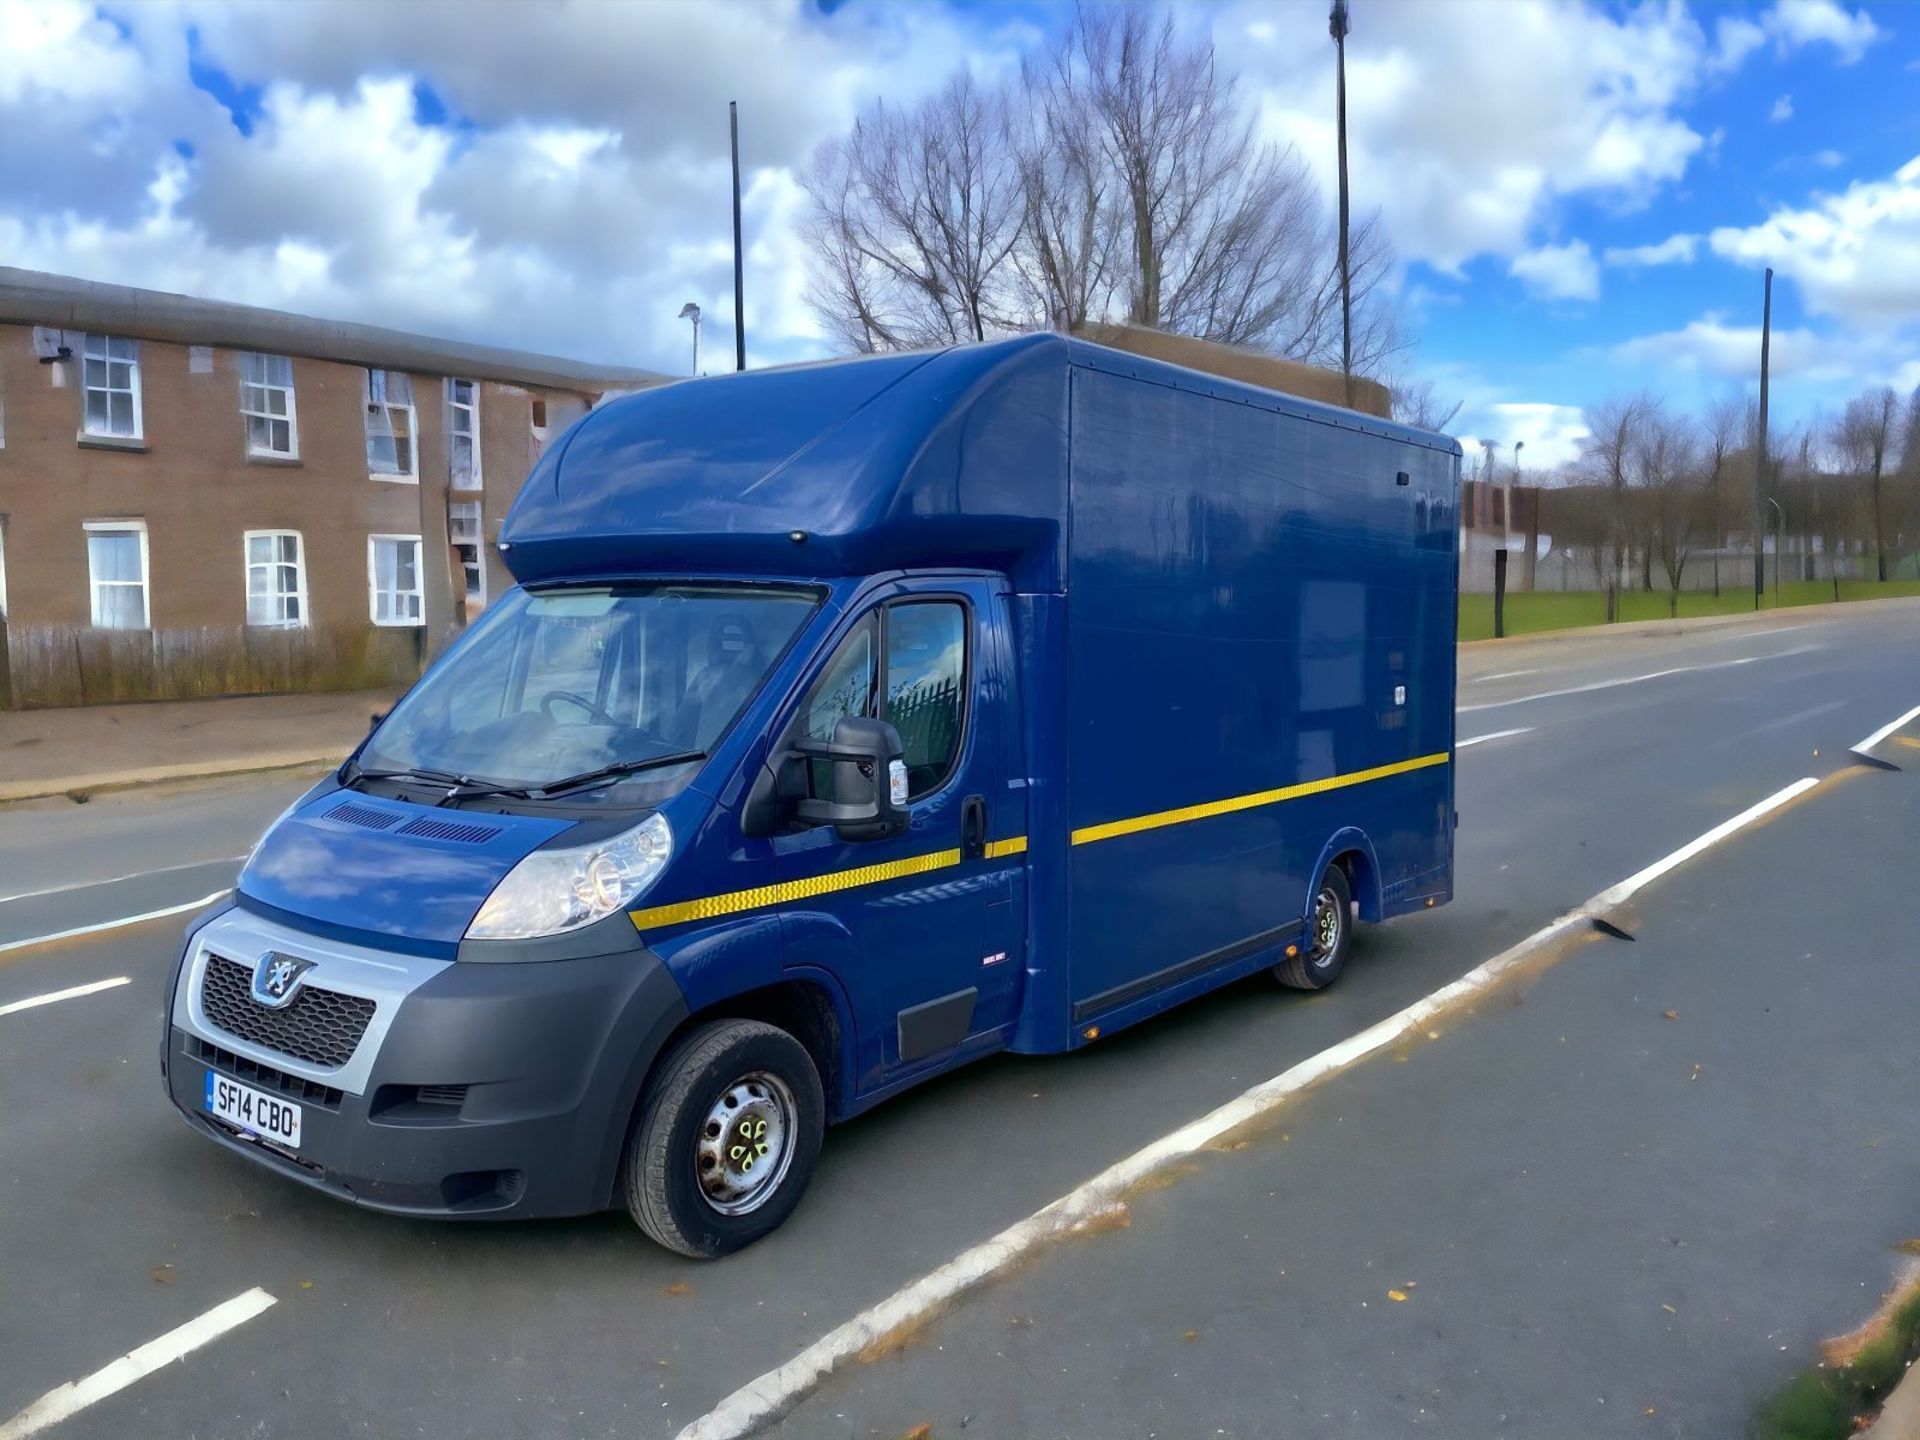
(869, 780)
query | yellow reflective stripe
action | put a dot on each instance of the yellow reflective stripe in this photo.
(761, 896)
(1155, 821)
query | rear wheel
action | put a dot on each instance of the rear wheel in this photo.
(1329, 935)
(726, 1138)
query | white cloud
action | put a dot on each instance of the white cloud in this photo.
(1550, 433)
(580, 198)
(1559, 272)
(1855, 255)
(1735, 39)
(1829, 159)
(1713, 347)
(1541, 101)
(1816, 22)
(1782, 110)
(1674, 250)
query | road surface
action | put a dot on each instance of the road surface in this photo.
(1541, 1180)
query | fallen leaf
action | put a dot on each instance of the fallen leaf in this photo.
(163, 1274)
(922, 1431)
(1909, 1247)
(1670, 1014)
(1396, 1294)
(1191, 1335)
(1670, 1310)
(1647, 1411)
(679, 1287)
(306, 1284)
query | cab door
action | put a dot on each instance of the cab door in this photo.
(922, 929)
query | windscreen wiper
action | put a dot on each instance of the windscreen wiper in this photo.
(458, 787)
(614, 772)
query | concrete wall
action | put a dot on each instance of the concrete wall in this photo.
(192, 482)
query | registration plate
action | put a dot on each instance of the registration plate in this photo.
(254, 1111)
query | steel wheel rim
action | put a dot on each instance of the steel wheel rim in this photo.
(1326, 926)
(745, 1144)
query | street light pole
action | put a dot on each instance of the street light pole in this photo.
(691, 311)
(739, 271)
(1337, 27)
(1760, 485)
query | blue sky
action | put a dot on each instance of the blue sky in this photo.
(1582, 195)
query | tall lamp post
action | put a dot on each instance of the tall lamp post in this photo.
(691, 311)
(1337, 27)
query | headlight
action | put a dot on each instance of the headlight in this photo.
(553, 891)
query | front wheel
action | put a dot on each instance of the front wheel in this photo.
(726, 1138)
(1329, 935)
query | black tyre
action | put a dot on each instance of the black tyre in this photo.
(1329, 936)
(725, 1140)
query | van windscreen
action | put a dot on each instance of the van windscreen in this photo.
(560, 683)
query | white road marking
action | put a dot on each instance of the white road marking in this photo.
(1885, 730)
(73, 994)
(69, 1399)
(1503, 675)
(120, 924)
(775, 1393)
(116, 879)
(1634, 679)
(1496, 735)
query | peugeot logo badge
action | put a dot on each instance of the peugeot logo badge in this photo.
(276, 979)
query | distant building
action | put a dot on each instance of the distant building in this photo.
(203, 498)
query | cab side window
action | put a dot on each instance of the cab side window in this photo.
(916, 680)
(846, 687)
(926, 687)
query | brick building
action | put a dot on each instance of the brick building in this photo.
(198, 498)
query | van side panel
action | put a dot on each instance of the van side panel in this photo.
(1248, 590)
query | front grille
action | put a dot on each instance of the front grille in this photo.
(310, 1092)
(321, 1027)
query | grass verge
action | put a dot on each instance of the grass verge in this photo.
(1825, 1402)
(1529, 612)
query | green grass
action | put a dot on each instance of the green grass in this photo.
(1821, 1404)
(1529, 613)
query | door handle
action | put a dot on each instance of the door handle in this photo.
(973, 827)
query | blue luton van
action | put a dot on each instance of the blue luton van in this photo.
(849, 722)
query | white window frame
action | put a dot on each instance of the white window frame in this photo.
(471, 409)
(476, 597)
(107, 357)
(411, 475)
(299, 593)
(145, 583)
(373, 581)
(292, 417)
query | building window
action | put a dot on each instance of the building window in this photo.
(266, 399)
(276, 579)
(391, 451)
(393, 579)
(117, 572)
(110, 366)
(463, 529)
(463, 434)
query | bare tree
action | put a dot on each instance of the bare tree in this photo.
(1123, 180)
(1613, 432)
(1415, 404)
(1721, 437)
(915, 216)
(1668, 460)
(1867, 430)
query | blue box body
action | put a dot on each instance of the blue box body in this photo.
(1189, 592)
